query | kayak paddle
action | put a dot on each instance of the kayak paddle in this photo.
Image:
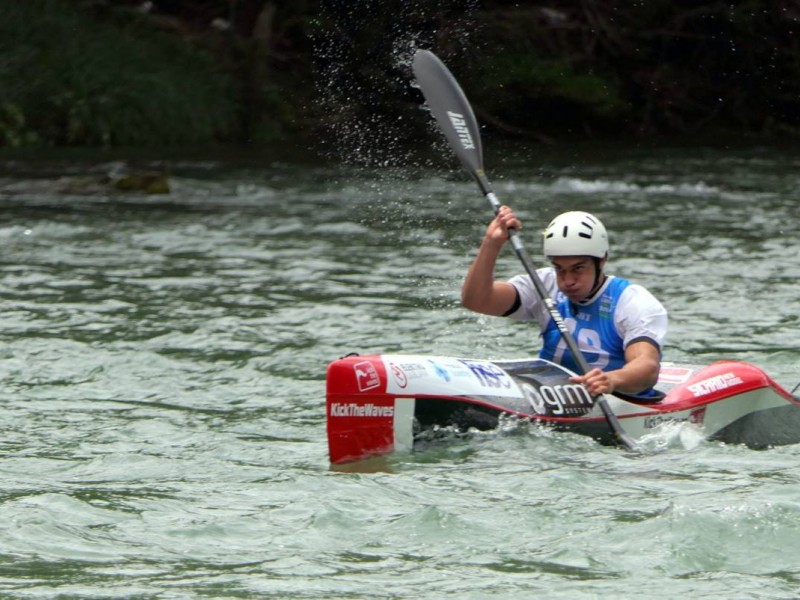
(452, 111)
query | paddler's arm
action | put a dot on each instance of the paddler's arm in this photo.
(640, 372)
(480, 292)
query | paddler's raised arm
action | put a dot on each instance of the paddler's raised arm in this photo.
(480, 292)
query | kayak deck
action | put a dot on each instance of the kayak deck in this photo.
(378, 404)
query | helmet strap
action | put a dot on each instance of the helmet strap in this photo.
(599, 276)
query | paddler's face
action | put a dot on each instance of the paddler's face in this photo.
(575, 275)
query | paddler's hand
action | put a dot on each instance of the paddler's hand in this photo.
(497, 233)
(595, 381)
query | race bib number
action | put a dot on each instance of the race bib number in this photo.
(589, 343)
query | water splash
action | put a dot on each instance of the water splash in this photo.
(363, 79)
(673, 435)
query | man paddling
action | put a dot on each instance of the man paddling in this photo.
(619, 326)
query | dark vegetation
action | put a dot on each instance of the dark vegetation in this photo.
(334, 74)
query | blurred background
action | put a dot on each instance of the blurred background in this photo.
(327, 76)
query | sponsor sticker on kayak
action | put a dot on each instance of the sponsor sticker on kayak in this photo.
(674, 375)
(715, 384)
(354, 409)
(431, 375)
(366, 376)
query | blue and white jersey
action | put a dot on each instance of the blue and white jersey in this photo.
(619, 313)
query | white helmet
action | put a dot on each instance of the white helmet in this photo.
(576, 233)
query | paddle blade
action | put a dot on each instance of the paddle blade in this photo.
(450, 108)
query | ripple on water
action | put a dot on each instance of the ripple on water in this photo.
(163, 383)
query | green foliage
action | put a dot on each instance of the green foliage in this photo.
(538, 78)
(100, 73)
(528, 76)
(13, 128)
(103, 82)
(648, 67)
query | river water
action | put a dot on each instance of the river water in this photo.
(163, 382)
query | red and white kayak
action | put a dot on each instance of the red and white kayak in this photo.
(380, 404)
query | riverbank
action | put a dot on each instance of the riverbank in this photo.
(99, 75)
(317, 74)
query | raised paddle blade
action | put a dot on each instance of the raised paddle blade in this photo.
(450, 107)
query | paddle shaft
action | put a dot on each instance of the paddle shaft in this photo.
(527, 263)
(455, 117)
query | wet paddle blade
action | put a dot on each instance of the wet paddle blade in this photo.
(450, 107)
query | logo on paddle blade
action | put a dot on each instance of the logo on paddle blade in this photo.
(460, 126)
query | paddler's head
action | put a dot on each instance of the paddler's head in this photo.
(576, 243)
